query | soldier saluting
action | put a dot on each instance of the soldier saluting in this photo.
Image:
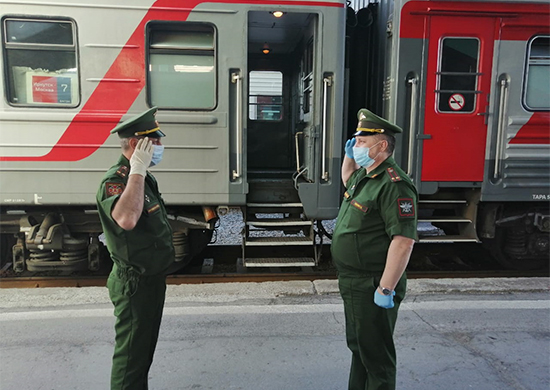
(371, 246)
(139, 240)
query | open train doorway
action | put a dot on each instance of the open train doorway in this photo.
(280, 88)
(280, 83)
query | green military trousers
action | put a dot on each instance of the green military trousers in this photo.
(138, 302)
(369, 333)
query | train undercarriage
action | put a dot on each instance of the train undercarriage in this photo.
(70, 239)
(67, 240)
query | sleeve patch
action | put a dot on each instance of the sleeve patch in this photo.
(122, 171)
(113, 189)
(406, 207)
(153, 208)
(394, 176)
(359, 206)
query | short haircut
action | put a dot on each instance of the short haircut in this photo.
(390, 139)
(125, 144)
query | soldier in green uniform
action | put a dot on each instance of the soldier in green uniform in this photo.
(139, 240)
(371, 247)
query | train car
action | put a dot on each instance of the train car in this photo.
(469, 82)
(250, 95)
(257, 98)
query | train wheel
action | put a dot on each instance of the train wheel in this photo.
(198, 240)
(515, 248)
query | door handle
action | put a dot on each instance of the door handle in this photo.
(236, 78)
(502, 106)
(412, 81)
(327, 82)
(485, 115)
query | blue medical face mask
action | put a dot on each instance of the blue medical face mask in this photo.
(158, 151)
(362, 157)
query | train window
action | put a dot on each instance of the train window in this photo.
(265, 98)
(182, 71)
(537, 83)
(457, 76)
(41, 63)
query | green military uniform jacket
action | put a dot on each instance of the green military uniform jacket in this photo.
(147, 249)
(375, 208)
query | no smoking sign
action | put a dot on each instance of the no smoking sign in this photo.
(456, 102)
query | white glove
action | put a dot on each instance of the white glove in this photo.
(141, 158)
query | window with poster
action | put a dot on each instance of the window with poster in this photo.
(458, 75)
(41, 62)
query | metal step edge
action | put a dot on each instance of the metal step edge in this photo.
(442, 201)
(279, 222)
(267, 205)
(277, 241)
(447, 239)
(445, 219)
(279, 262)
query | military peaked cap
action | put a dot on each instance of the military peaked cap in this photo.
(143, 124)
(370, 124)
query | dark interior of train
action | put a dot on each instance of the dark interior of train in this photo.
(280, 80)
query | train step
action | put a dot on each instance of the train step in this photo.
(278, 226)
(445, 219)
(278, 241)
(277, 222)
(454, 216)
(279, 262)
(447, 239)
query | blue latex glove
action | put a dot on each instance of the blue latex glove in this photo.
(385, 301)
(350, 143)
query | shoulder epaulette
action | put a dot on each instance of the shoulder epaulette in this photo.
(394, 176)
(122, 171)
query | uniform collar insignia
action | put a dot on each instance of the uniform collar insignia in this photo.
(122, 171)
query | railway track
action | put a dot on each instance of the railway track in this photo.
(220, 264)
(100, 281)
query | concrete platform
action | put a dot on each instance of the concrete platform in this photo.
(484, 334)
(227, 292)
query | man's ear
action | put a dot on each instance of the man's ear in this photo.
(382, 144)
(133, 143)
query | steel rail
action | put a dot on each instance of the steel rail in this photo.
(100, 281)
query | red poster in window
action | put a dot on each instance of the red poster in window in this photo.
(44, 89)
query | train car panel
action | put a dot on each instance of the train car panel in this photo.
(252, 96)
(473, 155)
(67, 84)
(519, 151)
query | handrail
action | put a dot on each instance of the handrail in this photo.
(236, 78)
(297, 150)
(503, 103)
(327, 82)
(413, 82)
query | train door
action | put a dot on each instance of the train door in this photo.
(458, 81)
(280, 80)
